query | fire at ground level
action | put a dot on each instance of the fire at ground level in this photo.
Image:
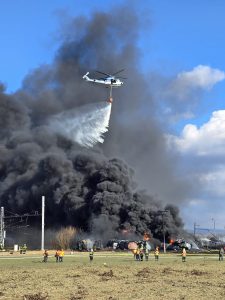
(145, 245)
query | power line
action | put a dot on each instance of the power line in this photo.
(11, 218)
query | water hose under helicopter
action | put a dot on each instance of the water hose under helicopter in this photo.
(110, 100)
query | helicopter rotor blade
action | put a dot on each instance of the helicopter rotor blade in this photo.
(118, 72)
(103, 73)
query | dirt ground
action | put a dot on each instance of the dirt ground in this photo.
(111, 276)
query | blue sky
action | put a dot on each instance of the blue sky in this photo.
(29, 34)
(187, 33)
(180, 36)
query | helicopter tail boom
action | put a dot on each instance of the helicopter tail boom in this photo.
(86, 76)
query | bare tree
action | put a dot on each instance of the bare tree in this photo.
(64, 237)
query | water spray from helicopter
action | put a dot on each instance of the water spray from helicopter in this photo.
(87, 124)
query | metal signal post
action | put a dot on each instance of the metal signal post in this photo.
(195, 227)
(2, 229)
(43, 224)
(162, 213)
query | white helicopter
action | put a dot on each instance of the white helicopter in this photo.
(110, 81)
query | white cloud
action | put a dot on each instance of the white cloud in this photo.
(204, 148)
(196, 202)
(209, 139)
(201, 76)
(214, 181)
(186, 83)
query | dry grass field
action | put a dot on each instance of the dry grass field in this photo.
(111, 276)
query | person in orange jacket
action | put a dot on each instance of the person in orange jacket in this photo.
(184, 253)
(134, 252)
(157, 253)
(45, 254)
(61, 255)
(146, 252)
(91, 255)
(138, 254)
(57, 255)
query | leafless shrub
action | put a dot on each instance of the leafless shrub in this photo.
(64, 238)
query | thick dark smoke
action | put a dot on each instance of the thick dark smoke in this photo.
(90, 189)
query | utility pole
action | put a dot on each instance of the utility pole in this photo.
(2, 229)
(43, 224)
(214, 225)
(195, 226)
(163, 212)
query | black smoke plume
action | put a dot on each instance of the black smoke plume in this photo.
(94, 190)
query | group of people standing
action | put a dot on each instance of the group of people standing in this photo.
(58, 255)
(183, 254)
(143, 252)
(140, 253)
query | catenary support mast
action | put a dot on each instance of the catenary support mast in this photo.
(43, 224)
(2, 229)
